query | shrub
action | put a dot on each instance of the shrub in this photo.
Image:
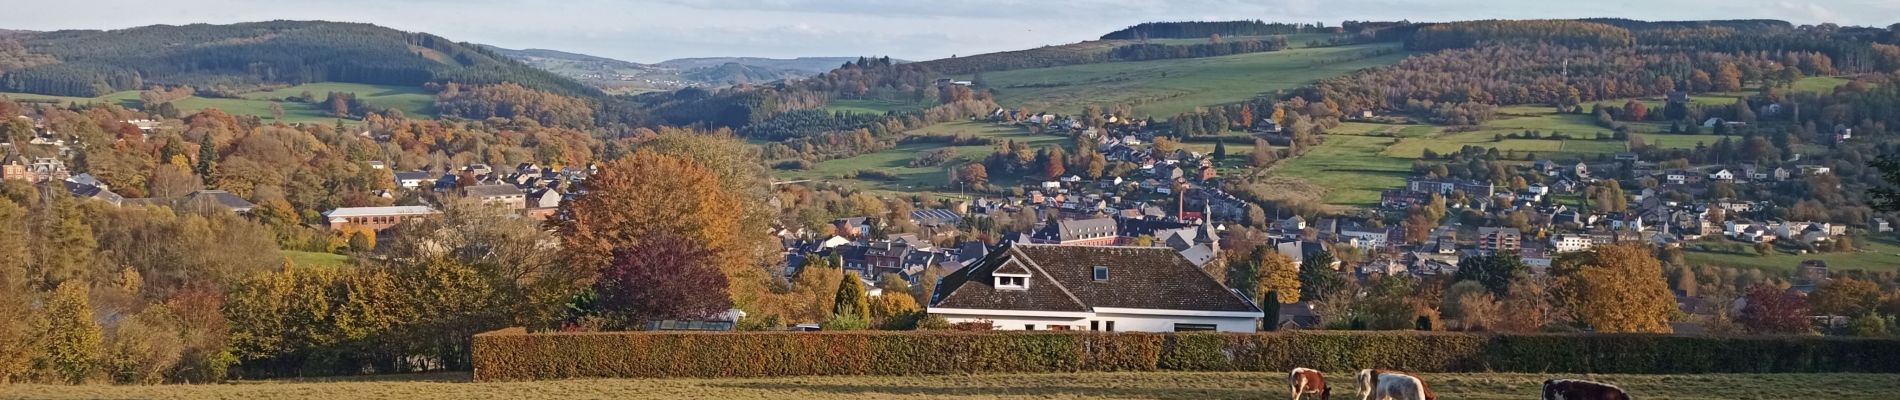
(501, 356)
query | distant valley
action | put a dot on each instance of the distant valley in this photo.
(619, 76)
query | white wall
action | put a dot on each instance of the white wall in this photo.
(1123, 322)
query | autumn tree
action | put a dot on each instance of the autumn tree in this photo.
(815, 286)
(662, 277)
(1526, 307)
(650, 195)
(1772, 310)
(1277, 274)
(1847, 296)
(74, 340)
(1619, 288)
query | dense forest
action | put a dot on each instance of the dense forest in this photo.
(93, 63)
(1521, 62)
(1154, 51)
(1197, 30)
(1560, 32)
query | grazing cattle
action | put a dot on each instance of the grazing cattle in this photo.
(1377, 384)
(1571, 389)
(1308, 381)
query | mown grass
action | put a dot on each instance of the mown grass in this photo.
(1163, 88)
(1123, 385)
(414, 102)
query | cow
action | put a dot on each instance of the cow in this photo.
(1572, 389)
(1378, 384)
(1308, 381)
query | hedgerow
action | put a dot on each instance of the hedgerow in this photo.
(515, 355)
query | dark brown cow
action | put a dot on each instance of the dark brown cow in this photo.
(1308, 381)
(1571, 389)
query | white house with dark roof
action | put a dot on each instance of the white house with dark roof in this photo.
(1098, 288)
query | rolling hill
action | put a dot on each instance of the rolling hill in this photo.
(89, 63)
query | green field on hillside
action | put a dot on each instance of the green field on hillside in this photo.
(1163, 88)
(873, 106)
(1115, 385)
(897, 160)
(413, 102)
(1875, 255)
(1293, 41)
(1350, 168)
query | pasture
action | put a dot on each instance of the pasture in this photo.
(413, 102)
(1874, 255)
(896, 161)
(1163, 88)
(1117, 385)
(1350, 168)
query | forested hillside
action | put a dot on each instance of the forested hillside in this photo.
(89, 63)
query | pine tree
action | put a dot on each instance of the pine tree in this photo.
(74, 340)
(207, 157)
(1220, 150)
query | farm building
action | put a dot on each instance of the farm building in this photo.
(1101, 288)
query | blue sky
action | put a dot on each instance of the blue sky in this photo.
(655, 30)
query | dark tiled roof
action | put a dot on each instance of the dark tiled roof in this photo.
(1062, 279)
(1075, 229)
(493, 190)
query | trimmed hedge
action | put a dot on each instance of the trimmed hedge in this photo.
(510, 355)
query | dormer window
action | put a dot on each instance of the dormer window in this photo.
(1101, 273)
(1012, 282)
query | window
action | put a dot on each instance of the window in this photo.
(1101, 273)
(1194, 327)
(1095, 325)
(1029, 327)
(1060, 327)
(1012, 282)
(1111, 326)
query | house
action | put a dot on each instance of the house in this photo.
(1088, 232)
(414, 179)
(1676, 177)
(1299, 315)
(376, 218)
(203, 199)
(1722, 176)
(505, 196)
(1782, 174)
(853, 226)
(1499, 239)
(95, 192)
(1098, 288)
(1627, 156)
(1447, 186)
(1570, 243)
(935, 217)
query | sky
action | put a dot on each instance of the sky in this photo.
(657, 30)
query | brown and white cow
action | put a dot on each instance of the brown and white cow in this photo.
(1378, 384)
(1308, 381)
(1572, 389)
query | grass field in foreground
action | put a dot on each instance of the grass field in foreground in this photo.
(1163, 88)
(414, 102)
(1123, 385)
